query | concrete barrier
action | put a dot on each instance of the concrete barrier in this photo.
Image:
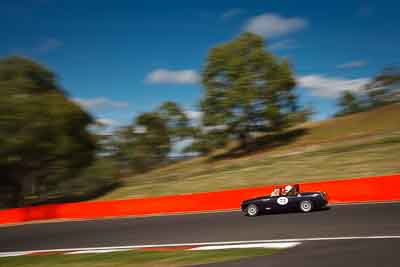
(378, 188)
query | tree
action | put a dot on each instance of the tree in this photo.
(43, 135)
(147, 143)
(176, 120)
(143, 145)
(348, 103)
(384, 88)
(247, 89)
(302, 115)
(154, 142)
(205, 140)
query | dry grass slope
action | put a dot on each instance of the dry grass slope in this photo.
(357, 145)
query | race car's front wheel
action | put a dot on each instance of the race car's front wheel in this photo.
(252, 210)
(306, 206)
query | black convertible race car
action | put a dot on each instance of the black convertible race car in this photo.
(286, 201)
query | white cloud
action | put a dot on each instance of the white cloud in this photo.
(321, 85)
(106, 121)
(178, 148)
(273, 25)
(220, 127)
(100, 102)
(173, 76)
(352, 64)
(284, 44)
(231, 13)
(48, 44)
(193, 114)
(140, 130)
(104, 126)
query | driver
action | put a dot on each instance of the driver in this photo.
(289, 190)
(276, 192)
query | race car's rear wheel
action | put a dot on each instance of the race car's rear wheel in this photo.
(252, 210)
(306, 206)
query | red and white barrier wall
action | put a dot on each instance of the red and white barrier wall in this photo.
(378, 188)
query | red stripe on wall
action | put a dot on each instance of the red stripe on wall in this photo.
(378, 188)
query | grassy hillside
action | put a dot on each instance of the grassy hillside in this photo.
(357, 145)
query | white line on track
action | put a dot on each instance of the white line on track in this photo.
(280, 245)
(94, 249)
(12, 254)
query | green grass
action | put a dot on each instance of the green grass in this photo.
(358, 145)
(135, 258)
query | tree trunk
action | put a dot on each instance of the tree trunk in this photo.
(18, 197)
(244, 139)
(43, 191)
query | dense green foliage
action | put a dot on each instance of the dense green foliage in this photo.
(146, 143)
(176, 120)
(349, 103)
(383, 89)
(247, 90)
(43, 135)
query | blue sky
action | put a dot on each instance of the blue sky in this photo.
(119, 58)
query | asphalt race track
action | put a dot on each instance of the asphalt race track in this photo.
(338, 221)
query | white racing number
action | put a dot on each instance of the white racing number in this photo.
(282, 200)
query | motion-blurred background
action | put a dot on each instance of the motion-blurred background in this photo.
(124, 99)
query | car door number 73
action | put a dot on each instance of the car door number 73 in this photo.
(282, 200)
